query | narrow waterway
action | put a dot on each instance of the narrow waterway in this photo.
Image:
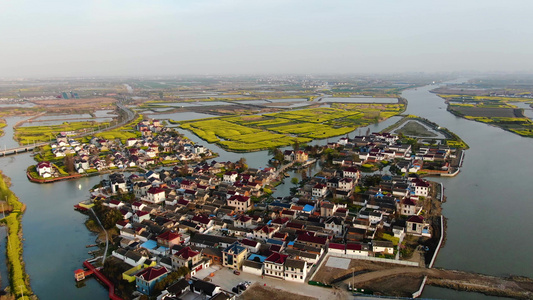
(54, 234)
(7, 141)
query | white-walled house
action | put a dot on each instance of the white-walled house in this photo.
(295, 270)
(44, 169)
(320, 190)
(155, 195)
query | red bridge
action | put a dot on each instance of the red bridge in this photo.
(97, 273)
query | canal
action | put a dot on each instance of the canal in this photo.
(488, 206)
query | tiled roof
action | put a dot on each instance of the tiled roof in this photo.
(186, 253)
(152, 273)
(276, 258)
(416, 219)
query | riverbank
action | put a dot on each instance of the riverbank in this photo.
(3, 124)
(19, 280)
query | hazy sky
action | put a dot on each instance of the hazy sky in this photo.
(167, 37)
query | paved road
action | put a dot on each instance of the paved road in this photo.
(227, 280)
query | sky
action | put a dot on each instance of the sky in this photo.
(200, 37)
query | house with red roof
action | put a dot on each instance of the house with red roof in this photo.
(44, 169)
(252, 246)
(136, 206)
(169, 239)
(274, 265)
(420, 187)
(311, 240)
(351, 172)
(203, 220)
(185, 257)
(243, 221)
(407, 207)
(241, 203)
(301, 156)
(357, 249)
(155, 195)
(265, 232)
(230, 176)
(336, 248)
(319, 190)
(146, 279)
(415, 224)
(279, 222)
(140, 216)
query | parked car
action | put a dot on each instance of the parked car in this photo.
(236, 272)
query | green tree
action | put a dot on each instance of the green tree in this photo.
(294, 180)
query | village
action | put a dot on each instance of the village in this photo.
(156, 145)
(198, 219)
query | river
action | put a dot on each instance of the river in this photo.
(488, 204)
(488, 207)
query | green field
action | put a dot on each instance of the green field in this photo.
(237, 137)
(123, 133)
(258, 132)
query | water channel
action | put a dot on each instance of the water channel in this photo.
(488, 206)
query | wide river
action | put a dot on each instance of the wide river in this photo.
(488, 208)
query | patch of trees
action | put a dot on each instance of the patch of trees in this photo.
(109, 217)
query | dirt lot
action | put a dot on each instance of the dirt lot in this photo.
(259, 292)
(327, 274)
(399, 285)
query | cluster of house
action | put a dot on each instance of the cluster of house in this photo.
(201, 219)
(197, 215)
(384, 146)
(155, 144)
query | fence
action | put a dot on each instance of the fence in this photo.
(419, 292)
(440, 242)
(311, 282)
(378, 259)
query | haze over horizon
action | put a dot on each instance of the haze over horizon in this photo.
(146, 38)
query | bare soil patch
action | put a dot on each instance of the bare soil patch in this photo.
(398, 285)
(326, 274)
(259, 292)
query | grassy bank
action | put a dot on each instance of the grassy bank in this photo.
(19, 281)
(2, 125)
